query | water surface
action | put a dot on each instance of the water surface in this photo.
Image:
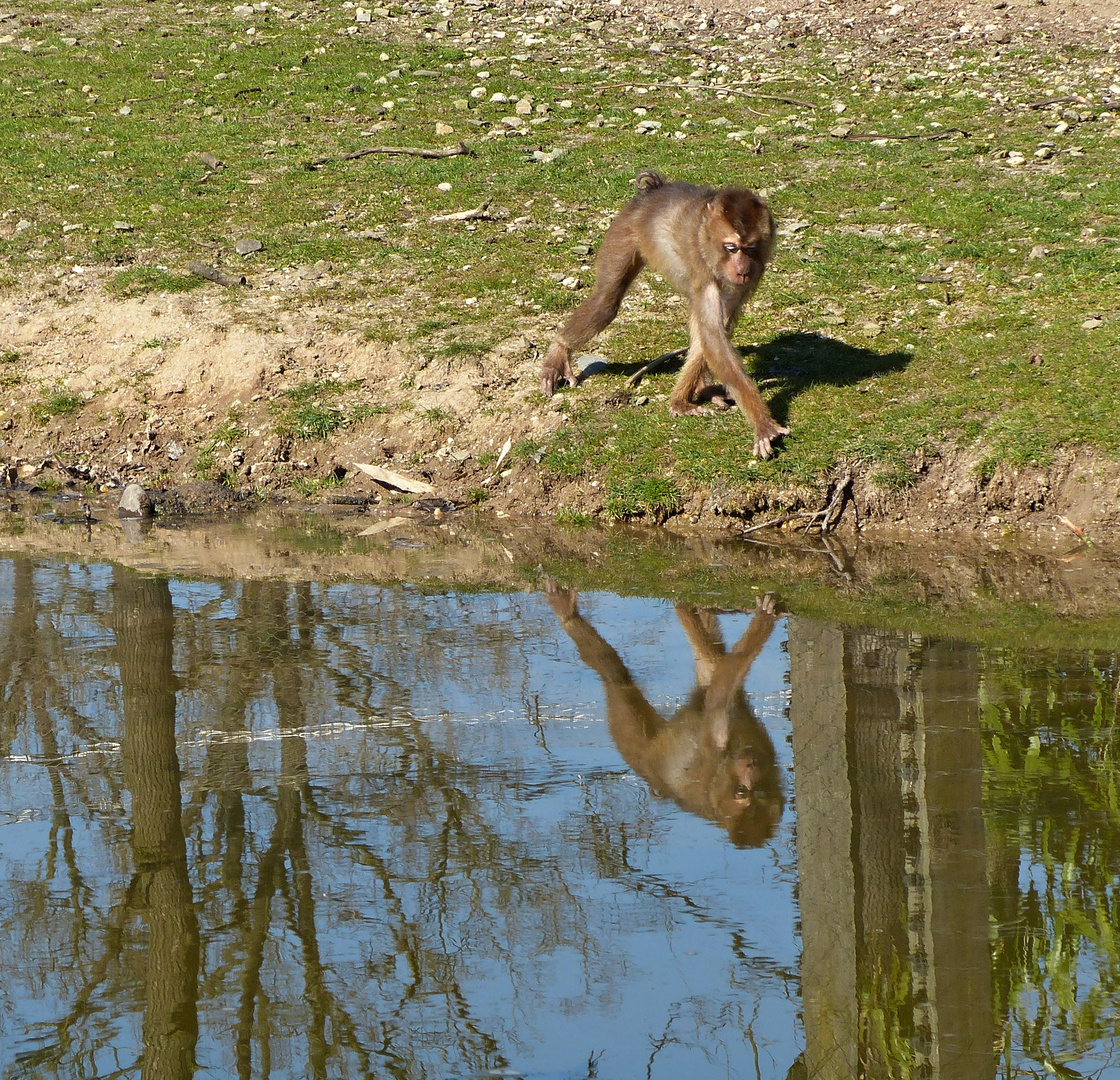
(255, 828)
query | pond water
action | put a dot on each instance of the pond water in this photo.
(271, 829)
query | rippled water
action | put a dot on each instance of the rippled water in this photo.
(253, 828)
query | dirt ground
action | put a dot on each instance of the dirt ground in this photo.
(159, 374)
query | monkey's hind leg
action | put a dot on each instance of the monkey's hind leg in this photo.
(695, 392)
(619, 263)
(682, 401)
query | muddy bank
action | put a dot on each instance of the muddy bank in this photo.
(210, 404)
(1066, 593)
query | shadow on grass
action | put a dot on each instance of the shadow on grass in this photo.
(797, 360)
(800, 360)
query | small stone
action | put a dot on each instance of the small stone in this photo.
(135, 502)
(247, 246)
(1092, 322)
(590, 363)
(570, 283)
(648, 127)
(444, 129)
(122, 226)
(363, 15)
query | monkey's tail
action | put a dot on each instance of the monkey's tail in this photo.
(647, 180)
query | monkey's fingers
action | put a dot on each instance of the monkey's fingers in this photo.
(562, 601)
(557, 368)
(763, 444)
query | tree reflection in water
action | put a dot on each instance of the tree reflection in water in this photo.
(310, 830)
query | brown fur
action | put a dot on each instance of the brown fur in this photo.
(712, 246)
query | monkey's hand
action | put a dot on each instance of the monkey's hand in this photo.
(767, 604)
(562, 601)
(557, 368)
(764, 437)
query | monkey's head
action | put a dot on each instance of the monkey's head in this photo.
(746, 790)
(740, 232)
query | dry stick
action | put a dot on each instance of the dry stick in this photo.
(664, 358)
(413, 151)
(933, 136)
(704, 86)
(1050, 101)
(465, 215)
(222, 278)
(835, 509)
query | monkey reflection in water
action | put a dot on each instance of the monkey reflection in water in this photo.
(713, 757)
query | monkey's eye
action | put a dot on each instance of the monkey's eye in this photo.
(731, 249)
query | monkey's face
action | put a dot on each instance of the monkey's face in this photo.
(741, 265)
(747, 795)
(740, 230)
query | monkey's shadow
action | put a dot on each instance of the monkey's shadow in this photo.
(800, 360)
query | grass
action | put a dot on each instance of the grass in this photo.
(308, 410)
(915, 280)
(54, 404)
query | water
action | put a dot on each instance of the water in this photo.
(334, 829)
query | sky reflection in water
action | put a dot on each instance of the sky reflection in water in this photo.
(289, 830)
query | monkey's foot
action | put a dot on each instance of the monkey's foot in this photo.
(717, 396)
(563, 601)
(557, 369)
(687, 408)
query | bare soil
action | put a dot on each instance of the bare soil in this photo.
(158, 375)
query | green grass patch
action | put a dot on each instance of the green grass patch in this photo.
(54, 404)
(142, 280)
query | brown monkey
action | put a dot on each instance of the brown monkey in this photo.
(712, 247)
(713, 758)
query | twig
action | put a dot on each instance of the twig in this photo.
(932, 136)
(664, 358)
(412, 151)
(835, 509)
(1076, 530)
(465, 215)
(1050, 101)
(705, 86)
(222, 278)
(773, 523)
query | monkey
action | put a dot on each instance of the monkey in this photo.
(713, 758)
(712, 246)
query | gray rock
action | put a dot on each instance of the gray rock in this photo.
(247, 246)
(135, 502)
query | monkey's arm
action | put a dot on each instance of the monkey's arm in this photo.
(707, 325)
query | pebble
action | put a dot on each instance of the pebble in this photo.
(247, 246)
